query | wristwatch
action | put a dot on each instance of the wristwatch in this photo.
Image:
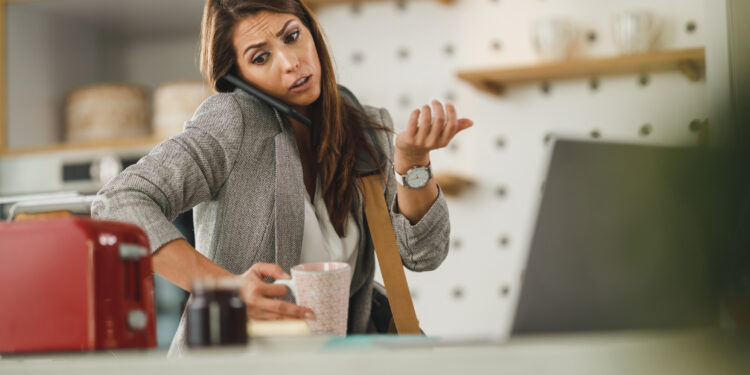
(415, 178)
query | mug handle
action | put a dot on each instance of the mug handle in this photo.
(289, 284)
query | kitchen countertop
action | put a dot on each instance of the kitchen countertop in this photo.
(639, 352)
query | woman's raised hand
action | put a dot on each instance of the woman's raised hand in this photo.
(260, 296)
(429, 129)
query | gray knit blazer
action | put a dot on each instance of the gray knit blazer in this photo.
(237, 165)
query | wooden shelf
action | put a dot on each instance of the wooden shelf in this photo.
(76, 146)
(452, 184)
(691, 62)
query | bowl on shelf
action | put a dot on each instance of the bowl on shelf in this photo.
(554, 39)
(635, 32)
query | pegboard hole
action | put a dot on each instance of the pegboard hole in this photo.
(456, 244)
(448, 49)
(548, 138)
(404, 101)
(453, 147)
(691, 27)
(504, 241)
(356, 8)
(457, 293)
(695, 126)
(358, 57)
(546, 88)
(403, 53)
(646, 130)
(501, 192)
(496, 45)
(591, 36)
(414, 294)
(401, 5)
(594, 84)
(500, 143)
(644, 80)
(504, 291)
(595, 134)
(450, 96)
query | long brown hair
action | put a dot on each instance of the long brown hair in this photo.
(336, 134)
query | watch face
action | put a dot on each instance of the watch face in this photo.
(417, 177)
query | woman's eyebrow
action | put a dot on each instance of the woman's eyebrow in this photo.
(261, 44)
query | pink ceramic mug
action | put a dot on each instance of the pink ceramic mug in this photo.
(324, 289)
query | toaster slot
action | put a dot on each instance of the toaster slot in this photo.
(132, 276)
(131, 256)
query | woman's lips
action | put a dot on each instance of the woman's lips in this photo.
(304, 86)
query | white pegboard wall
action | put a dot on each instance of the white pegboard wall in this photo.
(402, 55)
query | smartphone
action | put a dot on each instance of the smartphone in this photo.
(270, 100)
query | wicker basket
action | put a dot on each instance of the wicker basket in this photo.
(106, 112)
(175, 103)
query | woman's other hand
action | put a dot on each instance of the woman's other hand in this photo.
(429, 129)
(261, 297)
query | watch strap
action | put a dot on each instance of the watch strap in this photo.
(399, 178)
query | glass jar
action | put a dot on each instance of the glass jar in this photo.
(216, 314)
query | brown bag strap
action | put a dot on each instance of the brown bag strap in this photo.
(389, 258)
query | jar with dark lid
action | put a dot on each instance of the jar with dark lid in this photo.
(216, 315)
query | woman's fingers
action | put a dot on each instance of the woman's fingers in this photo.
(425, 125)
(411, 127)
(451, 126)
(464, 123)
(266, 270)
(438, 124)
(265, 315)
(283, 308)
(451, 130)
(430, 128)
(272, 290)
(450, 113)
(260, 296)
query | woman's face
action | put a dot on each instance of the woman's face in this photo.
(274, 51)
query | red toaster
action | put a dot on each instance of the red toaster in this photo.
(75, 284)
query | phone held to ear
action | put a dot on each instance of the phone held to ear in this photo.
(270, 100)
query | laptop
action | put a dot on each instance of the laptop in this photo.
(622, 241)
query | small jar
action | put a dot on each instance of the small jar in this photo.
(216, 315)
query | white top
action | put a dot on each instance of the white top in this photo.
(320, 243)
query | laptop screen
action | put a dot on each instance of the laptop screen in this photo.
(621, 241)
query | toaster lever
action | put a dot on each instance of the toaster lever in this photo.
(132, 252)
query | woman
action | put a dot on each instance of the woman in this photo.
(268, 192)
